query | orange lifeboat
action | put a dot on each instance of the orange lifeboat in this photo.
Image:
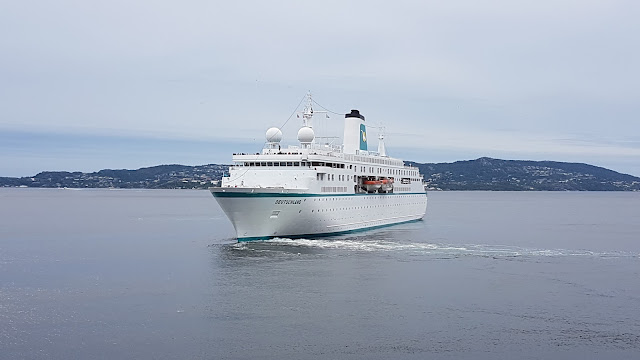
(374, 182)
(372, 185)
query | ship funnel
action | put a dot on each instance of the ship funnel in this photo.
(354, 113)
(355, 133)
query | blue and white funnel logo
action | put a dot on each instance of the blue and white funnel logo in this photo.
(363, 137)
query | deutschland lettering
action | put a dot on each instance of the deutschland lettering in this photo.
(288, 202)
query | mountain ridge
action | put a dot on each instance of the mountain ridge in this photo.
(484, 173)
(487, 173)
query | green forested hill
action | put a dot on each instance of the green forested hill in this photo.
(480, 174)
(155, 177)
(495, 174)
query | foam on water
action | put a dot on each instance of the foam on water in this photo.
(415, 248)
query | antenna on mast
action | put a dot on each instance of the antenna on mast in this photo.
(307, 113)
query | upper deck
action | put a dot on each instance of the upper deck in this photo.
(319, 168)
(316, 152)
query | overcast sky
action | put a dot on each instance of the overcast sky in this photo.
(86, 85)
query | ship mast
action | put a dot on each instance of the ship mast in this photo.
(382, 151)
(307, 113)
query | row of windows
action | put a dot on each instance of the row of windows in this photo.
(332, 177)
(383, 161)
(293, 163)
(387, 171)
(328, 164)
(363, 207)
(333, 189)
(350, 198)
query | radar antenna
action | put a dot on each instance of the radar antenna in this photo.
(307, 112)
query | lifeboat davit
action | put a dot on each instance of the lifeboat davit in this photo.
(387, 184)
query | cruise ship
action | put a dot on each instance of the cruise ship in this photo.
(315, 188)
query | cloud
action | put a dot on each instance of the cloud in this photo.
(477, 76)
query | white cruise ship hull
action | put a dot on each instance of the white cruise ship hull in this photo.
(258, 213)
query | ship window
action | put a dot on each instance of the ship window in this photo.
(289, 163)
(270, 163)
(252, 164)
(296, 164)
(276, 164)
(283, 163)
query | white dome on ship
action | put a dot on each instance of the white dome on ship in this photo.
(274, 135)
(306, 134)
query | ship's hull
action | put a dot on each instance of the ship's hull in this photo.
(262, 214)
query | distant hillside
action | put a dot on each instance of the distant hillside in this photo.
(481, 174)
(155, 177)
(508, 175)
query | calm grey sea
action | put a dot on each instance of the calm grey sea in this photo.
(146, 274)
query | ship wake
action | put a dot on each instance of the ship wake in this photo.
(436, 250)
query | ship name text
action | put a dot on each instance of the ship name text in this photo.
(288, 202)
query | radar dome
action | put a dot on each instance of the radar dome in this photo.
(274, 135)
(306, 135)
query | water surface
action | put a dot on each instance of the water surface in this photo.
(157, 274)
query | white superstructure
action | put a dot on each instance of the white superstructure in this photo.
(315, 188)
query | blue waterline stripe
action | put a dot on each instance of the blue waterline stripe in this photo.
(250, 195)
(258, 238)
